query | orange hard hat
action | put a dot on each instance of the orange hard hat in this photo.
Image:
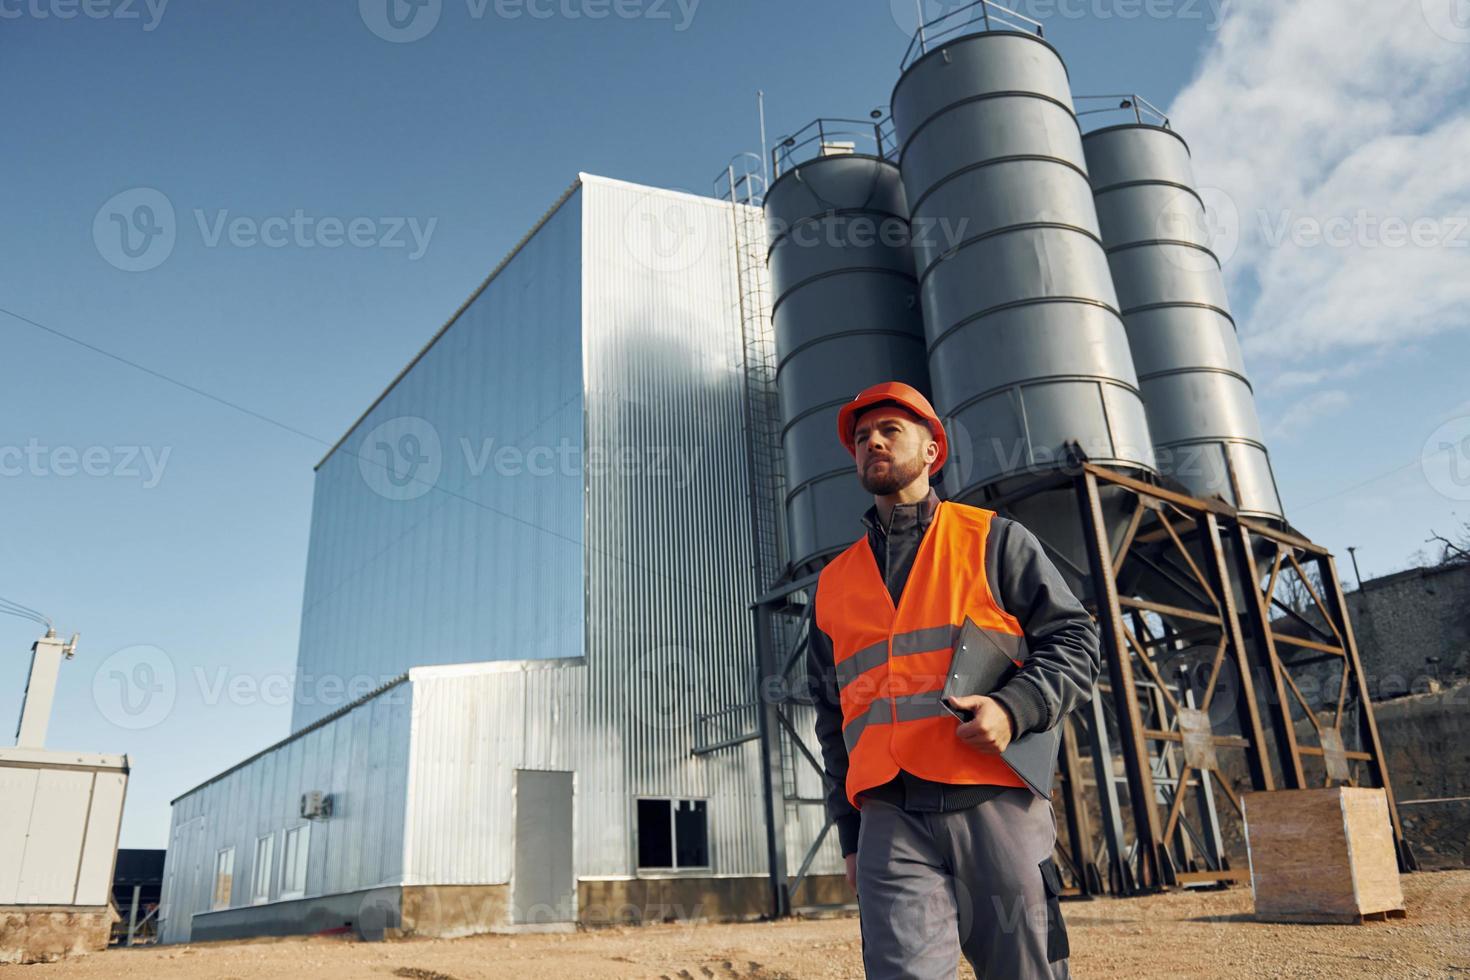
(900, 394)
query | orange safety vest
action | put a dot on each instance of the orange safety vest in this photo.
(891, 664)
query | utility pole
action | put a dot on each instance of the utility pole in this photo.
(1353, 553)
(35, 709)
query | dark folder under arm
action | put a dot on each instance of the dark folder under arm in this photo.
(983, 662)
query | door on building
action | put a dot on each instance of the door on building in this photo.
(181, 891)
(543, 888)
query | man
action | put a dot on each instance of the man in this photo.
(947, 849)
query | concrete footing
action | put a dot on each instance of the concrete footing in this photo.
(46, 933)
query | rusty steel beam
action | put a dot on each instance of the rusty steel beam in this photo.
(1298, 641)
(1367, 724)
(1163, 609)
(1245, 698)
(1154, 863)
(1102, 473)
(1259, 611)
(1281, 537)
(1074, 812)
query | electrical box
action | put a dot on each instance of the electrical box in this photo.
(316, 805)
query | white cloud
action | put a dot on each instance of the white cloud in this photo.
(1341, 132)
(1295, 379)
(1301, 414)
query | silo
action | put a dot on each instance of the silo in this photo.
(1027, 350)
(845, 315)
(1201, 409)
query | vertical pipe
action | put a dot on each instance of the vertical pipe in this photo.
(1079, 828)
(133, 914)
(1101, 748)
(773, 797)
(760, 100)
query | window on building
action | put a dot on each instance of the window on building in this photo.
(224, 878)
(293, 861)
(260, 874)
(673, 834)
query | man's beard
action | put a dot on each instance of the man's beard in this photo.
(899, 474)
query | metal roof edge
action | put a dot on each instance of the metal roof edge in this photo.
(594, 179)
(320, 722)
(516, 250)
(29, 757)
(436, 671)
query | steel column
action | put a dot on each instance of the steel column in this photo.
(1368, 725)
(1154, 864)
(1259, 612)
(773, 795)
(1245, 698)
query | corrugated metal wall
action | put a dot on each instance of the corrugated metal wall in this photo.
(668, 554)
(668, 573)
(661, 526)
(468, 463)
(360, 757)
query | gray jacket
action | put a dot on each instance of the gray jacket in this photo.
(1058, 675)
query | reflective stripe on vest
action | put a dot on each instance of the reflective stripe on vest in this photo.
(891, 662)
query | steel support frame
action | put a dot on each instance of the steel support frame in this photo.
(1290, 751)
(1210, 586)
(1225, 540)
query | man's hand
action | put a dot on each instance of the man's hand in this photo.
(852, 872)
(991, 730)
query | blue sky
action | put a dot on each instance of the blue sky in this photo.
(188, 536)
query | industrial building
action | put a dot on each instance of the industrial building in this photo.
(542, 609)
(529, 692)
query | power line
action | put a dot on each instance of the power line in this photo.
(14, 608)
(1417, 461)
(660, 573)
(163, 377)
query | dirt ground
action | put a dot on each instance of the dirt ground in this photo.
(1173, 935)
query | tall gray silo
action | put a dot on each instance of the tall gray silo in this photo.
(845, 314)
(1201, 408)
(1027, 349)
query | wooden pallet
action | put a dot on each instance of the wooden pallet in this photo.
(1322, 855)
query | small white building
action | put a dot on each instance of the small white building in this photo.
(60, 813)
(529, 573)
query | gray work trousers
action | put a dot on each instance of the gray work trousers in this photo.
(978, 880)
